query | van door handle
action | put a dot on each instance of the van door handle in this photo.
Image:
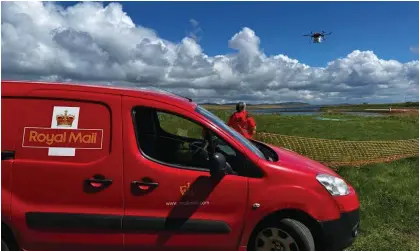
(144, 185)
(7, 155)
(99, 182)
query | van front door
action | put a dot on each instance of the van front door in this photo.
(67, 173)
(171, 201)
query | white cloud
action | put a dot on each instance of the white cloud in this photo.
(92, 43)
(414, 49)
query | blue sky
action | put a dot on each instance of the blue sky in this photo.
(251, 51)
(387, 28)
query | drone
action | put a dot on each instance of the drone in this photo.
(317, 37)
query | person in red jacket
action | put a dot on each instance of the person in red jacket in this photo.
(238, 120)
(251, 127)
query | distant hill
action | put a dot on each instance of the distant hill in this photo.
(294, 104)
(302, 104)
(261, 104)
(405, 104)
(208, 104)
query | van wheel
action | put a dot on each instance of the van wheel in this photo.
(4, 246)
(285, 235)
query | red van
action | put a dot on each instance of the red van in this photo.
(94, 168)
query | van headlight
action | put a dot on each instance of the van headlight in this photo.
(335, 185)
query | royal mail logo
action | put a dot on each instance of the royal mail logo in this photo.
(184, 190)
(65, 120)
(64, 136)
(68, 138)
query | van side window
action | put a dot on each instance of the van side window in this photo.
(177, 141)
(179, 126)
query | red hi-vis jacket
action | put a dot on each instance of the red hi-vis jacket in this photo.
(251, 125)
(238, 121)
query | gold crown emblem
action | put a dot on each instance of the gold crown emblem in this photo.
(65, 119)
(185, 189)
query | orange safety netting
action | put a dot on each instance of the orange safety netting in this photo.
(344, 153)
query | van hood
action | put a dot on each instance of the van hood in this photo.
(293, 160)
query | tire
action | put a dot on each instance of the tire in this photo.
(4, 246)
(283, 235)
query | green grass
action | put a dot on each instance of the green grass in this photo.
(350, 128)
(375, 106)
(389, 195)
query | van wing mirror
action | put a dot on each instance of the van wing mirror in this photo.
(218, 165)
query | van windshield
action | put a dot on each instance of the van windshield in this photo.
(216, 120)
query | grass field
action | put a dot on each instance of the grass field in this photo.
(389, 197)
(376, 106)
(389, 193)
(349, 128)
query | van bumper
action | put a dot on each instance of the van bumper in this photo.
(340, 234)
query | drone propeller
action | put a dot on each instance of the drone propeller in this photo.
(309, 35)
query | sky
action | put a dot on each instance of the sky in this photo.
(221, 51)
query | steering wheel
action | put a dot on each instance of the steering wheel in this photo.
(198, 147)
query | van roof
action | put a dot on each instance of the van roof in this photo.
(17, 88)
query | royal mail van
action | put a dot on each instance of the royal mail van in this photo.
(94, 168)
